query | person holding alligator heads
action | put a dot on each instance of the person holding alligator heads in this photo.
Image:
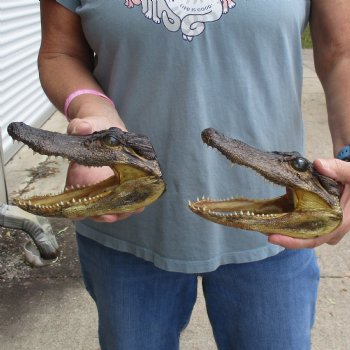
(168, 70)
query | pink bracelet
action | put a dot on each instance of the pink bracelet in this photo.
(77, 93)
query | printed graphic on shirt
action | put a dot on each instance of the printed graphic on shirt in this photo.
(189, 16)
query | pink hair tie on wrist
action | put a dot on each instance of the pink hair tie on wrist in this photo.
(77, 93)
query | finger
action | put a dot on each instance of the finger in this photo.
(335, 168)
(338, 236)
(79, 127)
(108, 218)
(102, 218)
(294, 243)
(116, 217)
(86, 126)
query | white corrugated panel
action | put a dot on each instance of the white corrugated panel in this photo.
(21, 96)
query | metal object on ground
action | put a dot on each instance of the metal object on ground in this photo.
(32, 255)
(38, 228)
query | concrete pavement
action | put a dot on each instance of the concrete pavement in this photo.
(48, 308)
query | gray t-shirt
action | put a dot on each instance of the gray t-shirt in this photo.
(175, 67)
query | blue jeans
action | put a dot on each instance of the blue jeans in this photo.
(264, 305)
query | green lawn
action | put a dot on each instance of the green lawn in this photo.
(306, 39)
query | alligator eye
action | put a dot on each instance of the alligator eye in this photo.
(300, 164)
(111, 140)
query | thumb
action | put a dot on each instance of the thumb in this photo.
(79, 127)
(88, 125)
(337, 169)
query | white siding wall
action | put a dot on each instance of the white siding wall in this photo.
(21, 96)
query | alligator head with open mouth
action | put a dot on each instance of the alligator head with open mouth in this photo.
(136, 183)
(310, 207)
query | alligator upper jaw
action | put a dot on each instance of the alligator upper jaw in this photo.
(137, 180)
(310, 207)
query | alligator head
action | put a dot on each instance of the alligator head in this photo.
(310, 207)
(137, 180)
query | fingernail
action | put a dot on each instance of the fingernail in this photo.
(323, 163)
(81, 128)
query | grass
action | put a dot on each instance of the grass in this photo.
(306, 39)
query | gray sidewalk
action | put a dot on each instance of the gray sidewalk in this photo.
(48, 308)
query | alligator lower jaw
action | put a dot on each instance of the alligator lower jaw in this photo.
(106, 197)
(54, 205)
(287, 215)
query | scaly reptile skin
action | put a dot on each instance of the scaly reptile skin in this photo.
(310, 207)
(136, 183)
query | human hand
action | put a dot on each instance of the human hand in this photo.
(82, 175)
(339, 171)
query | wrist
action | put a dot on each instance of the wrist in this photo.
(85, 105)
(81, 92)
(344, 153)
